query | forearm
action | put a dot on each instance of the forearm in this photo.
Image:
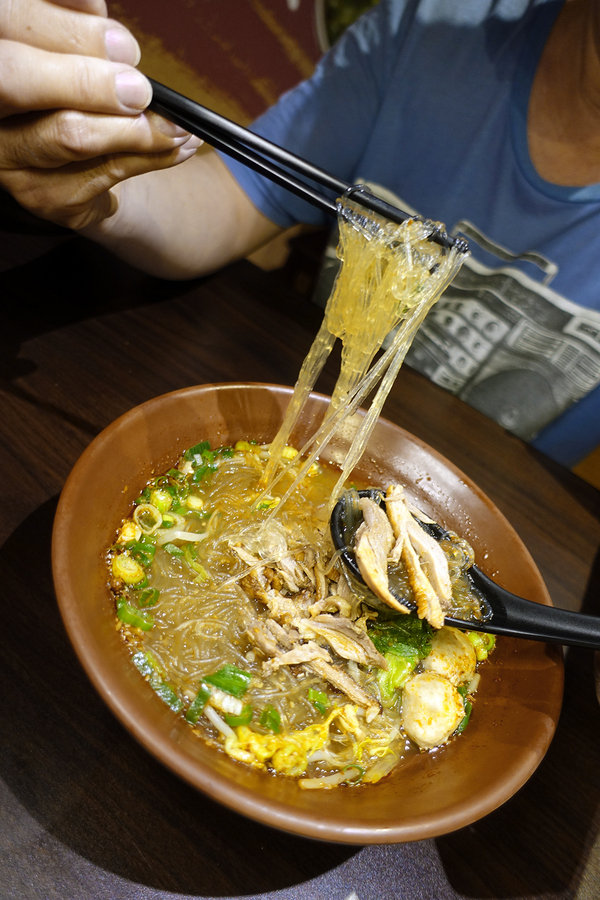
(183, 222)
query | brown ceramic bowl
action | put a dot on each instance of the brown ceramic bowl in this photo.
(518, 703)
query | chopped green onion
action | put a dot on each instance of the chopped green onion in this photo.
(230, 679)
(463, 690)
(319, 700)
(243, 719)
(143, 663)
(190, 553)
(201, 472)
(127, 569)
(465, 720)
(144, 496)
(167, 522)
(148, 597)
(167, 694)
(360, 772)
(129, 615)
(483, 642)
(141, 550)
(270, 718)
(161, 499)
(197, 705)
(150, 669)
(196, 450)
(173, 550)
(268, 504)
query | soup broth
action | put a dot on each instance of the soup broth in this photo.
(243, 622)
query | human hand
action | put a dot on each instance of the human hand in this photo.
(72, 111)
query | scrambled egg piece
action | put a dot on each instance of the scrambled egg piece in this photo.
(289, 753)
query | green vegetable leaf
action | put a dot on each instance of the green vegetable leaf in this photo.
(399, 670)
(404, 635)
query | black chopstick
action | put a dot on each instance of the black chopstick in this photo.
(251, 149)
(222, 140)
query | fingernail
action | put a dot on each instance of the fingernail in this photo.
(193, 143)
(121, 46)
(184, 153)
(132, 89)
(170, 128)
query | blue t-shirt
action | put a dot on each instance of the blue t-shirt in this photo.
(428, 99)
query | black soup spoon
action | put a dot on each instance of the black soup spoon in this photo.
(502, 611)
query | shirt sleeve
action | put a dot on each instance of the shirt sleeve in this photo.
(327, 119)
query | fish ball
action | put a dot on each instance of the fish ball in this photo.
(431, 709)
(452, 655)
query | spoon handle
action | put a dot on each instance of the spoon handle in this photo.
(515, 616)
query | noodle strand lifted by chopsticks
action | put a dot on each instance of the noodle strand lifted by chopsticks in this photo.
(390, 277)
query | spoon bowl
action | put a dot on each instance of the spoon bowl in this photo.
(502, 611)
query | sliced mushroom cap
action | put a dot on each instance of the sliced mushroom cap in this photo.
(428, 603)
(373, 543)
(343, 636)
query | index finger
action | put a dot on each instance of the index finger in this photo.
(62, 29)
(33, 79)
(95, 7)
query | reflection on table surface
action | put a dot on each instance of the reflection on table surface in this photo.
(86, 812)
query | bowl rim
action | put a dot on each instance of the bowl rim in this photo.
(221, 788)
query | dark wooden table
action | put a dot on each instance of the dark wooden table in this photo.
(86, 813)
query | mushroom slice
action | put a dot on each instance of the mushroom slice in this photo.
(435, 560)
(258, 636)
(348, 641)
(347, 686)
(428, 602)
(373, 542)
(302, 653)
